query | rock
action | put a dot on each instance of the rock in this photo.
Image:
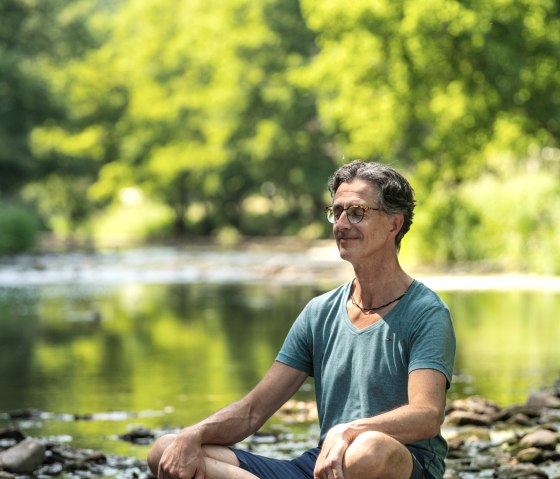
(24, 414)
(526, 471)
(44, 459)
(83, 417)
(294, 411)
(518, 415)
(469, 434)
(24, 457)
(485, 462)
(549, 398)
(465, 418)
(553, 456)
(11, 435)
(450, 474)
(519, 419)
(542, 438)
(477, 405)
(66, 454)
(531, 454)
(51, 469)
(138, 436)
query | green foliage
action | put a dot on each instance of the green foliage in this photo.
(19, 229)
(508, 222)
(134, 219)
(34, 37)
(518, 220)
(437, 80)
(234, 113)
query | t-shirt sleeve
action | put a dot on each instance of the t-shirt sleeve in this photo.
(297, 350)
(433, 342)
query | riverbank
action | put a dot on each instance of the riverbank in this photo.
(485, 440)
(314, 263)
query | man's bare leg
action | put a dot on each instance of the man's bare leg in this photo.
(221, 462)
(376, 455)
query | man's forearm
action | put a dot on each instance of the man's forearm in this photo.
(419, 419)
(244, 417)
(406, 424)
(227, 426)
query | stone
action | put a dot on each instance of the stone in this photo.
(542, 438)
(465, 418)
(526, 471)
(477, 405)
(138, 436)
(67, 454)
(24, 457)
(531, 454)
(24, 414)
(519, 419)
(11, 434)
(547, 398)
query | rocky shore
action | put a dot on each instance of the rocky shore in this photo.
(485, 441)
(25, 457)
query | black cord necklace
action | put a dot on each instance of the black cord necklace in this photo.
(377, 308)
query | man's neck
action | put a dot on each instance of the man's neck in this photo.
(376, 284)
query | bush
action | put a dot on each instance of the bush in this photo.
(509, 222)
(519, 220)
(19, 229)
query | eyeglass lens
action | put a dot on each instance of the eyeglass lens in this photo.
(353, 213)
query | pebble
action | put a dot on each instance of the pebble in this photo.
(542, 438)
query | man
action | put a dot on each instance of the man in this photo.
(380, 348)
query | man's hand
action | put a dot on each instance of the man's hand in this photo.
(183, 458)
(330, 461)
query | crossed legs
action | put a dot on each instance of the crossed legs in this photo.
(372, 455)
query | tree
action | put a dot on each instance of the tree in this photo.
(39, 162)
(212, 111)
(440, 81)
(449, 89)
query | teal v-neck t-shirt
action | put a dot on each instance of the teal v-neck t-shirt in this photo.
(361, 373)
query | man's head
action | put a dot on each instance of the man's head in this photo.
(394, 193)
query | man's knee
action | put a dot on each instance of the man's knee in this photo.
(156, 451)
(375, 454)
(218, 453)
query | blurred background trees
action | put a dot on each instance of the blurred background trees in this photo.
(142, 119)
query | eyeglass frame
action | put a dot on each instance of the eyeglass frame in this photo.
(329, 210)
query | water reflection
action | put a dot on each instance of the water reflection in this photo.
(508, 343)
(171, 354)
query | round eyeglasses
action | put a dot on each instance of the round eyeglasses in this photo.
(354, 213)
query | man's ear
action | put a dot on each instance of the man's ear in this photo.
(397, 222)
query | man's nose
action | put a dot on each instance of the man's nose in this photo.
(339, 222)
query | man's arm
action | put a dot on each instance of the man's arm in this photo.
(183, 459)
(417, 420)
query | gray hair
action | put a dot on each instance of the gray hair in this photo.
(395, 195)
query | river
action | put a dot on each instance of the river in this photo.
(99, 344)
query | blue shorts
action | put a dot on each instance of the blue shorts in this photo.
(302, 467)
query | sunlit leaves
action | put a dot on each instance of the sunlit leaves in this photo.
(85, 143)
(199, 103)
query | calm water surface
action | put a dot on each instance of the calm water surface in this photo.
(164, 355)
